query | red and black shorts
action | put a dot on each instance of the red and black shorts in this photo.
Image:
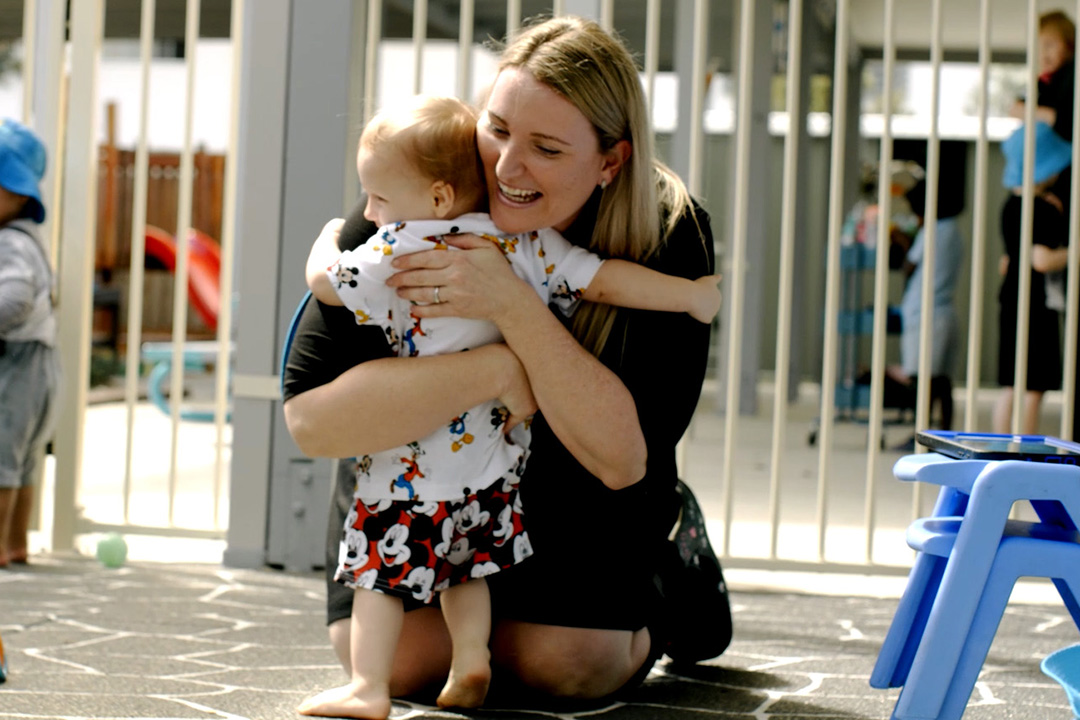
(412, 549)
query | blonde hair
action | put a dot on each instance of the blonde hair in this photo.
(437, 136)
(1060, 23)
(592, 69)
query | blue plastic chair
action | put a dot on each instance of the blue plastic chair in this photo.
(1064, 666)
(965, 571)
(898, 650)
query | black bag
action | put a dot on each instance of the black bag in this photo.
(696, 619)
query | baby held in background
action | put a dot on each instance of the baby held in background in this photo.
(442, 512)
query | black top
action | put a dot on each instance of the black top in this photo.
(581, 531)
(1057, 92)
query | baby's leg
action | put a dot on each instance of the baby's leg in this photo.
(375, 626)
(467, 609)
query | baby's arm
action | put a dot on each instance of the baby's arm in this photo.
(323, 254)
(627, 284)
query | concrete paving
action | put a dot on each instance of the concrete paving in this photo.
(190, 641)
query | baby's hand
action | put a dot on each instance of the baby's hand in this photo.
(707, 299)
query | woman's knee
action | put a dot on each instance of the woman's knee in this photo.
(570, 662)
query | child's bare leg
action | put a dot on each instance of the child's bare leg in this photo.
(467, 609)
(376, 625)
(19, 530)
(8, 500)
(1003, 411)
(1032, 410)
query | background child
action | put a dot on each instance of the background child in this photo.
(443, 511)
(1053, 183)
(29, 364)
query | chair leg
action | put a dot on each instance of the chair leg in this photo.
(984, 627)
(909, 621)
(963, 583)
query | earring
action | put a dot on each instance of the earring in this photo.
(603, 185)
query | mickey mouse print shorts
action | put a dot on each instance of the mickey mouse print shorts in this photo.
(412, 549)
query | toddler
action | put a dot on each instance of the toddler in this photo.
(29, 364)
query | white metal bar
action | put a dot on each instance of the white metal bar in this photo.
(881, 279)
(787, 264)
(652, 50)
(465, 41)
(137, 282)
(76, 275)
(419, 38)
(558, 8)
(929, 255)
(607, 14)
(978, 229)
(697, 97)
(228, 256)
(49, 100)
(832, 267)
(183, 230)
(513, 17)
(371, 59)
(1027, 209)
(738, 256)
(1072, 291)
(29, 61)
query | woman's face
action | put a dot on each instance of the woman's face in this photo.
(541, 156)
(1052, 52)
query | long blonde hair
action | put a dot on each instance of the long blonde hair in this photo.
(592, 69)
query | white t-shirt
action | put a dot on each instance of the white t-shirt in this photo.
(471, 452)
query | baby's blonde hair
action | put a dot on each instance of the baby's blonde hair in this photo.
(437, 136)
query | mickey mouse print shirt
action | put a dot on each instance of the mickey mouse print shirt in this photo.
(470, 452)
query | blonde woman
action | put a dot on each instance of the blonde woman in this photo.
(565, 143)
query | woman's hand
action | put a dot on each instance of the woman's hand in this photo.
(474, 283)
(516, 394)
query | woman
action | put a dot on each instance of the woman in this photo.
(565, 143)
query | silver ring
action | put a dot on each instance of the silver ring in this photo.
(437, 300)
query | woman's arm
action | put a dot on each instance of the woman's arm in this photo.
(384, 403)
(346, 393)
(586, 405)
(1045, 259)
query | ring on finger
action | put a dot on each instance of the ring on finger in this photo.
(437, 299)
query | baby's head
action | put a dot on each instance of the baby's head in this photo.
(22, 165)
(418, 161)
(1057, 41)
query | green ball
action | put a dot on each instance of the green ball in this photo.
(112, 550)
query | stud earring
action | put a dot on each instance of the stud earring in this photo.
(603, 184)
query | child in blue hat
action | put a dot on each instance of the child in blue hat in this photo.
(29, 363)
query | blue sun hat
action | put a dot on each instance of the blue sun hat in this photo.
(1052, 155)
(22, 165)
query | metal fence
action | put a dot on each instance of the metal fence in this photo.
(60, 101)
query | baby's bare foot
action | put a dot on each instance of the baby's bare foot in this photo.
(465, 689)
(348, 701)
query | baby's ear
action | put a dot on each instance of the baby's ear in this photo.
(442, 198)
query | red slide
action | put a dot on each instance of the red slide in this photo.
(204, 268)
